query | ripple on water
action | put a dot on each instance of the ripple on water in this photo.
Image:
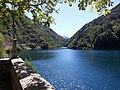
(80, 70)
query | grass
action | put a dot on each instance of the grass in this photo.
(30, 65)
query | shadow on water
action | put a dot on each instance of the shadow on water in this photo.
(102, 58)
(37, 54)
(108, 61)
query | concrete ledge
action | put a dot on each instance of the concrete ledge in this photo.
(4, 59)
(28, 78)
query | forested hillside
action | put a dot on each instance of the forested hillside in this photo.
(31, 35)
(101, 33)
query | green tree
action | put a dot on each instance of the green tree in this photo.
(106, 40)
(42, 10)
(2, 51)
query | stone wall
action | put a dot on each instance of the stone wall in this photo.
(15, 80)
(16, 75)
(29, 79)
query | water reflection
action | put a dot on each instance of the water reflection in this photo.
(37, 54)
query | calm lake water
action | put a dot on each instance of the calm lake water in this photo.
(68, 69)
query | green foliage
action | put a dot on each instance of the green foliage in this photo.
(2, 51)
(106, 40)
(19, 48)
(101, 33)
(72, 43)
(30, 65)
(99, 5)
(41, 10)
(84, 45)
(32, 36)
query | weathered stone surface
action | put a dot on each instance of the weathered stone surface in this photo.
(35, 82)
(29, 79)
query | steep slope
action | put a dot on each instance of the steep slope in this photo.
(32, 35)
(101, 33)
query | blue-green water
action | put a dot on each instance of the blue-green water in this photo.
(68, 69)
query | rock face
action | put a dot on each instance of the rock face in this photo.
(30, 79)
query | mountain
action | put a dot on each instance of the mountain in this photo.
(101, 33)
(66, 37)
(31, 35)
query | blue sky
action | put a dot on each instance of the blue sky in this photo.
(70, 19)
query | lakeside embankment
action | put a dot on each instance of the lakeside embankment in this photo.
(19, 76)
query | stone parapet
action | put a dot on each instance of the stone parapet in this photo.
(28, 78)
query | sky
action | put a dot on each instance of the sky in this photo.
(70, 19)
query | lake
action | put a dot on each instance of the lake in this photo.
(68, 69)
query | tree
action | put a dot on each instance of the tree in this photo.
(2, 51)
(106, 40)
(42, 10)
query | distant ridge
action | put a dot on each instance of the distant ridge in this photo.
(66, 37)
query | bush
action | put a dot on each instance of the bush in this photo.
(2, 50)
(19, 48)
(30, 65)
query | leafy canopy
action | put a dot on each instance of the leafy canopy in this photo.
(41, 10)
(2, 51)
